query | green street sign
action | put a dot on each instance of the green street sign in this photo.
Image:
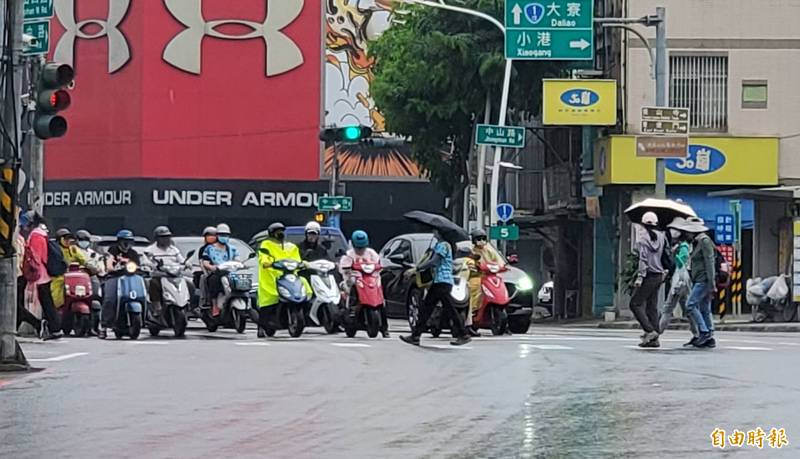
(40, 30)
(504, 233)
(549, 29)
(335, 204)
(37, 9)
(500, 136)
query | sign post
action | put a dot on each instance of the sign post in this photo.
(504, 232)
(550, 30)
(500, 136)
(666, 132)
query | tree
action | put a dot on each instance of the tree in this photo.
(432, 75)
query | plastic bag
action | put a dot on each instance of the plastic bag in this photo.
(779, 289)
(755, 291)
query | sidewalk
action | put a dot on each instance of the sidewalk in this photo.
(729, 324)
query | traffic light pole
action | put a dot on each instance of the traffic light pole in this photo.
(11, 355)
(334, 181)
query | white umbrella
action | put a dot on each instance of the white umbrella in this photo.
(665, 209)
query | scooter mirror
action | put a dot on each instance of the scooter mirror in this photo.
(253, 254)
(513, 259)
(190, 254)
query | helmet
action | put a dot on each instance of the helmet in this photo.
(210, 231)
(313, 227)
(359, 239)
(650, 219)
(125, 235)
(275, 227)
(478, 234)
(162, 231)
(63, 232)
(223, 228)
(83, 235)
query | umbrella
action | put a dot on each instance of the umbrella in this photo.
(665, 209)
(449, 230)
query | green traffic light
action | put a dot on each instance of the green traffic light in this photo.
(352, 133)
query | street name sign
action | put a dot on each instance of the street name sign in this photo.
(665, 120)
(504, 233)
(500, 136)
(37, 9)
(335, 204)
(662, 146)
(549, 29)
(40, 30)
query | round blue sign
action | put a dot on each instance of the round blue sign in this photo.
(580, 97)
(702, 159)
(534, 12)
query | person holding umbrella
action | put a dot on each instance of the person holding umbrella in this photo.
(681, 283)
(651, 245)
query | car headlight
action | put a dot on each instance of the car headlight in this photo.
(284, 292)
(525, 284)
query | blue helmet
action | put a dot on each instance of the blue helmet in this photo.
(125, 235)
(359, 239)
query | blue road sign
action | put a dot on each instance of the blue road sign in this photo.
(724, 229)
(505, 212)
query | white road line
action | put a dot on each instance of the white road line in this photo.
(350, 345)
(149, 343)
(550, 347)
(747, 348)
(447, 346)
(253, 344)
(60, 357)
(790, 344)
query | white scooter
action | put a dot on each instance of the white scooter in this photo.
(175, 298)
(234, 302)
(324, 310)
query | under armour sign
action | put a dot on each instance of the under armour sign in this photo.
(184, 51)
(118, 49)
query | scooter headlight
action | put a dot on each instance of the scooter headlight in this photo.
(525, 284)
(131, 267)
(80, 290)
(494, 269)
(368, 269)
(290, 265)
(284, 292)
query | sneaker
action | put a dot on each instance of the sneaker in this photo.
(43, 329)
(385, 333)
(102, 333)
(691, 342)
(460, 341)
(56, 335)
(711, 343)
(473, 333)
(702, 339)
(261, 333)
(410, 339)
(651, 336)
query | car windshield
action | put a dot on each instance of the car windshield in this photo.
(185, 244)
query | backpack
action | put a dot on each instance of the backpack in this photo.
(56, 265)
(722, 269)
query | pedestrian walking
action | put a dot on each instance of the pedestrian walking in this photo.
(703, 277)
(680, 282)
(34, 269)
(650, 274)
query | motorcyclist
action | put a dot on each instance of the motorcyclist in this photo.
(94, 264)
(361, 251)
(201, 277)
(118, 254)
(161, 253)
(482, 252)
(72, 254)
(311, 248)
(272, 249)
(214, 255)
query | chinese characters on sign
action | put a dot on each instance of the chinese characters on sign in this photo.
(580, 102)
(723, 230)
(756, 438)
(549, 29)
(662, 147)
(500, 136)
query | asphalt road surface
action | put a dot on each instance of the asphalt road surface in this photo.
(551, 393)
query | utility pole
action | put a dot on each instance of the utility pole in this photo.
(333, 217)
(11, 355)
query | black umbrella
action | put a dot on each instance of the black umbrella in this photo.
(665, 209)
(451, 232)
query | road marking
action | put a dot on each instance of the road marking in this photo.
(790, 344)
(448, 346)
(252, 344)
(149, 343)
(350, 345)
(60, 357)
(747, 348)
(550, 347)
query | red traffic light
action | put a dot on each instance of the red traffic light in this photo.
(54, 101)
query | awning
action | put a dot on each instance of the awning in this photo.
(779, 193)
(707, 205)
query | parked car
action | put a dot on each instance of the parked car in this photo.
(332, 238)
(101, 244)
(188, 243)
(399, 289)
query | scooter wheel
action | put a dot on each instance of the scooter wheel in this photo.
(154, 331)
(350, 331)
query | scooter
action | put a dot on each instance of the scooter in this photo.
(175, 297)
(293, 299)
(327, 295)
(492, 312)
(131, 299)
(77, 310)
(364, 300)
(234, 302)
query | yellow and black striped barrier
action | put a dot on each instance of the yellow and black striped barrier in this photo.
(7, 217)
(736, 287)
(722, 301)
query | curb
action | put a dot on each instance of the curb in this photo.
(766, 328)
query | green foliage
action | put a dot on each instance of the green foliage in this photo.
(628, 275)
(431, 79)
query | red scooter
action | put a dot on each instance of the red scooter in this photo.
(77, 311)
(492, 311)
(364, 300)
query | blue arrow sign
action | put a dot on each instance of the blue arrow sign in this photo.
(505, 212)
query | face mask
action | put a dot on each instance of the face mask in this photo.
(675, 234)
(83, 244)
(125, 246)
(481, 243)
(223, 239)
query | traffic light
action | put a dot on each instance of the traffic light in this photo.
(52, 98)
(346, 134)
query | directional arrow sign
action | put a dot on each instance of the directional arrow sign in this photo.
(500, 136)
(549, 29)
(335, 204)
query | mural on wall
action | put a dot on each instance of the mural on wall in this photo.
(350, 26)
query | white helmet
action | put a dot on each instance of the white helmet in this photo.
(650, 219)
(223, 228)
(313, 227)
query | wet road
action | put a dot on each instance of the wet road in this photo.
(552, 393)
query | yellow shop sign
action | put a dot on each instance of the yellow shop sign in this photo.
(711, 161)
(580, 102)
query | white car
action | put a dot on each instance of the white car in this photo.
(545, 295)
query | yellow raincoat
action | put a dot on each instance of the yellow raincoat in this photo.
(72, 254)
(267, 276)
(487, 254)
